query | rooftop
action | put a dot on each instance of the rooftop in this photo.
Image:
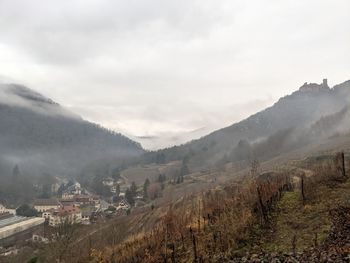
(46, 202)
(66, 210)
(11, 220)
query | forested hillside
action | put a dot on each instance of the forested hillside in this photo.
(293, 121)
(42, 137)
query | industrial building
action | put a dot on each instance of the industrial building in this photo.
(16, 224)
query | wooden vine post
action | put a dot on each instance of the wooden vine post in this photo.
(262, 207)
(303, 188)
(343, 164)
(194, 245)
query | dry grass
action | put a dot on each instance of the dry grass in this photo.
(200, 226)
(308, 221)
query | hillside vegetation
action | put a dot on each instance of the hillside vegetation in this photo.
(298, 212)
(42, 137)
(311, 114)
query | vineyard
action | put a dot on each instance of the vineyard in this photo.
(217, 225)
(263, 214)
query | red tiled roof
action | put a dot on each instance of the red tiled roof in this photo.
(66, 210)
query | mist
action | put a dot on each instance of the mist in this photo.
(121, 64)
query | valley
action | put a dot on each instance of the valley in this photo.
(175, 205)
(183, 131)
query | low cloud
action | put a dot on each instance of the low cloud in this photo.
(158, 125)
(158, 67)
(18, 96)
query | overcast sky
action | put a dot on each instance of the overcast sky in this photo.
(172, 69)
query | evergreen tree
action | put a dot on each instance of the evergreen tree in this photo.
(129, 197)
(145, 188)
(184, 169)
(133, 189)
(26, 210)
(100, 188)
(161, 178)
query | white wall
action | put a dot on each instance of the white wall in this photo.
(19, 227)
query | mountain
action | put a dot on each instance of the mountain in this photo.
(43, 137)
(40, 135)
(289, 123)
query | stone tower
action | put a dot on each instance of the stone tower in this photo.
(325, 83)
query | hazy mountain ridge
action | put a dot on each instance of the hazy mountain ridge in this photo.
(32, 135)
(25, 93)
(297, 111)
(40, 135)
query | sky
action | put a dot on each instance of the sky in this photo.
(164, 72)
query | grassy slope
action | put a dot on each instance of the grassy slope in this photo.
(292, 218)
(139, 174)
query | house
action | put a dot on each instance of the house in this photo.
(84, 200)
(67, 202)
(77, 188)
(42, 205)
(47, 214)
(97, 202)
(65, 214)
(72, 190)
(11, 211)
(114, 189)
(3, 209)
(108, 181)
(39, 239)
(67, 195)
(139, 197)
(123, 205)
(86, 217)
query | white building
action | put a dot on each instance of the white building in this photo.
(72, 191)
(19, 225)
(114, 189)
(43, 205)
(67, 196)
(3, 209)
(108, 181)
(86, 217)
(65, 214)
(77, 188)
(39, 239)
(47, 214)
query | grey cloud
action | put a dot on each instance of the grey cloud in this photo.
(158, 67)
(15, 96)
(62, 32)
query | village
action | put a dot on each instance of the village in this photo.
(72, 205)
